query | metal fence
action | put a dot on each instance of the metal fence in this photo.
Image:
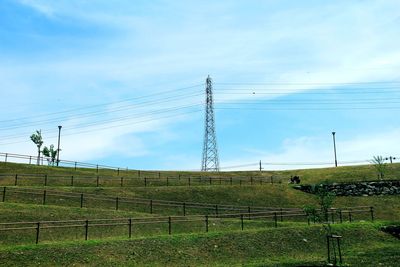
(86, 200)
(29, 232)
(15, 179)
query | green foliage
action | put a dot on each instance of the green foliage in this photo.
(312, 213)
(37, 139)
(380, 165)
(325, 199)
(51, 153)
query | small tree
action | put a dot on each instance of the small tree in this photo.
(51, 153)
(380, 165)
(37, 139)
(325, 199)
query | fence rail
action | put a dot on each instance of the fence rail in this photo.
(16, 232)
(86, 200)
(35, 179)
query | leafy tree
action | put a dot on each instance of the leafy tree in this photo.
(51, 153)
(312, 213)
(325, 199)
(380, 165)
(37, 139)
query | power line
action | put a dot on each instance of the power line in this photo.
(311, 83)
(97, 113)
(113, 126)
(113, 120)
(103, 104)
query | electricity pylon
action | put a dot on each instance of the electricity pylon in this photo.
(210, 160)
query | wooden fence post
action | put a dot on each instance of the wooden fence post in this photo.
(241, 221)
(145, 181)
(45, 180)
(350, 217)
(230, 180)
(81, 200)
(72, 180)
(97, 181)
(281, 214)
(371, 210)
(249, 212)
(275, 220)
(116, 203)
(169, 225)
(16, 180)
(206, 223)
(130, 227)
(151, 206)
(216, 210)
(340, 216)
(167, 181)
(184, 208)
(37, 232)
(122, 181)
(44, 197)
(4, 194)
(86, 229)
(189, 180)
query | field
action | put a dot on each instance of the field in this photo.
(186, 218)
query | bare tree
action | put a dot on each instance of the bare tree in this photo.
(37, 139)
(380, 165)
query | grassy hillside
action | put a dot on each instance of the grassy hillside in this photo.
(260, 244)
(269, 247)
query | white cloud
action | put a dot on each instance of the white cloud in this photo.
(304, 152)
(338, 42)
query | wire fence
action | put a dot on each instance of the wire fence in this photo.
(15, 179)
(32, 232)
(86, 200)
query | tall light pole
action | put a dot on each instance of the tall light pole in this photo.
(58, 147)
(334, 147)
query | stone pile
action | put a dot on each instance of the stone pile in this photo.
(391, 187)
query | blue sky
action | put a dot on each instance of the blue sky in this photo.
(126, 79)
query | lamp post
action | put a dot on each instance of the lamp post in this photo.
(334, 147)
(58, 147)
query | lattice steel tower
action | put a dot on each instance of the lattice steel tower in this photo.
(210, 160)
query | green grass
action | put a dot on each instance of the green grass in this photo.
(267, 247)
(339, 174)
(292, 244)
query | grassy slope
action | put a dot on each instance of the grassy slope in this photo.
(283, 247)
(386, 207)
(343, 174)
(261, 247)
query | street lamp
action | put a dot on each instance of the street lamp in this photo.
(58, 148)
(334, 147)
